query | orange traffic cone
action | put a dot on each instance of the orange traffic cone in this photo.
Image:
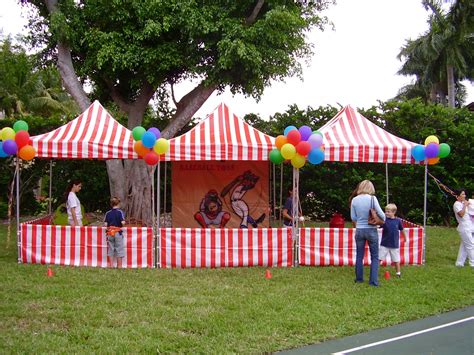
(268, 274)
(50, 272)
(387, 275)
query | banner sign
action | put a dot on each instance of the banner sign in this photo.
(220, 194)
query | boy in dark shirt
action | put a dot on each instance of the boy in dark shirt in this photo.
(391, 237)
(114, 220)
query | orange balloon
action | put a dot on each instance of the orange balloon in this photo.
(433, 161)
(27, 152)
(280, 141)
(140, 149)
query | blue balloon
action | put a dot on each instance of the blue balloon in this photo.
(2, 153)
(418, 152)
(155, 131)
(316, 156)
(287, 129)
(148, 139)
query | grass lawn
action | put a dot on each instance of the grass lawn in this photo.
(215, 310)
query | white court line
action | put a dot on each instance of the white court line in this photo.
(403, 336)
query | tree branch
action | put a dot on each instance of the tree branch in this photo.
(253, 16)
(66, 68)
(187, 107)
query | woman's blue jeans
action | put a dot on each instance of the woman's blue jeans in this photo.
(371, 236)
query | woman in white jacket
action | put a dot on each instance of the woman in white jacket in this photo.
(465, 229)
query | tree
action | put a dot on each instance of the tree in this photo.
(27, 89)
(127, 50)
(442, 57)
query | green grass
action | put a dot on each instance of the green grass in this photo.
(215, 311)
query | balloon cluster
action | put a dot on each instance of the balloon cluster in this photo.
(17, 141)
(298, 145)
(432, 151)
(149, 145)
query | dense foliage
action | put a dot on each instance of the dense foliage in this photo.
(325, 188)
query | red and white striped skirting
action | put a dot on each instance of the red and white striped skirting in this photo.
(82, 246)
(196, 247)
(336, 246)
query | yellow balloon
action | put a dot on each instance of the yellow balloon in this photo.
(298, 161)
(431, 139)
(161, 146)
(288, 151)
(7, 133)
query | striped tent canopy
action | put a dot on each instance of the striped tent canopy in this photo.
(221, 136)
(350, 137)
(95, 134)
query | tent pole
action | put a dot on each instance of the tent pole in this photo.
(386, 183)
(50, 186)
(424, 211)
(165, 191)
(294, 215)
(18, 234)
(157, 249)
(280, 207)
(273, 192)
(152, 172)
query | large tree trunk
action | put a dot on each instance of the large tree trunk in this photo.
(130, 180)
(451, 86)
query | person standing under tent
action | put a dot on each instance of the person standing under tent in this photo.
(114, 221)
(287, 212)
(73, 205)
(465, 229)
(390, 244)
(360, 208)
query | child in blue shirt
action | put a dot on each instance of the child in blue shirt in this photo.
(390, 244)
(114, 221)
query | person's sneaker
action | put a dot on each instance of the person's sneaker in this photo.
(399, 274)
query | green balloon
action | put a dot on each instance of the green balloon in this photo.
(137, 132)
(20, 126)
(444, 150)
(317, 132)
(276, 157)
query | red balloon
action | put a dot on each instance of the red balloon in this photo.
(294, 137)
(22, 138)
(151, 158)
(303, 148)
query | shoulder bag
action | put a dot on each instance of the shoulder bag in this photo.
(374, 218)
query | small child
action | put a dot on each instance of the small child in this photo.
(392, 228)
(114, 221)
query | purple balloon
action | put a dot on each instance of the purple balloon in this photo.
(155, 131)
(305, 132)
(9, 146)
(316, 140)
(432, 150)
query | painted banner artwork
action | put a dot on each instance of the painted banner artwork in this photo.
(210, 248)
(83, 246)
(230, 194)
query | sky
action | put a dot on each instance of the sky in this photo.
(356, 63)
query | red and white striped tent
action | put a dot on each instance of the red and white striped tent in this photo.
(221, 136)
(350, 137)
(95, 134)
